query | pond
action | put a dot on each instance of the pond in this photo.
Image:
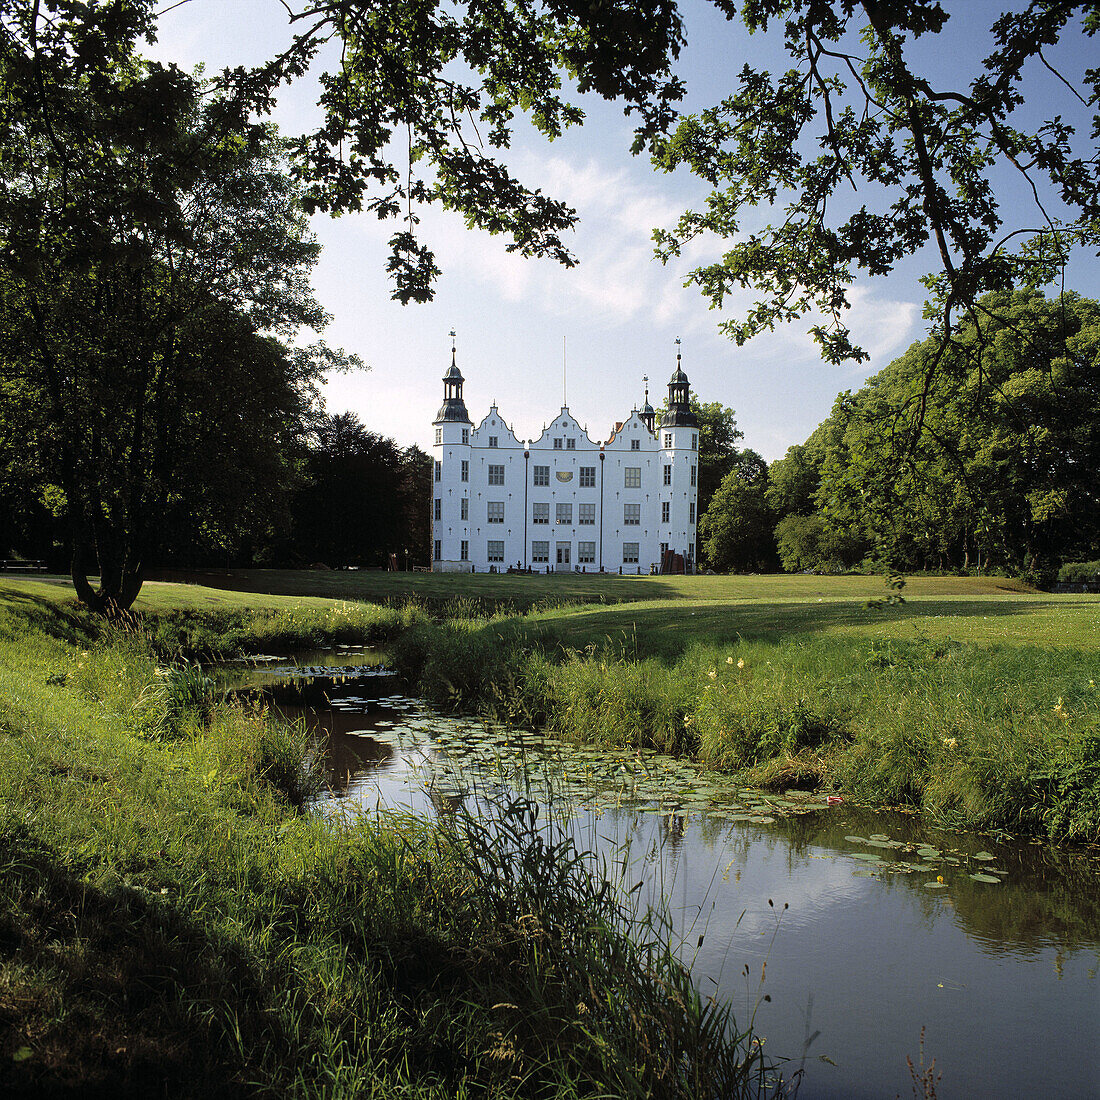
(846, 931)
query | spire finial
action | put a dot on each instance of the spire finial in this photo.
(677, 350)
(645, 382)
(451, 334)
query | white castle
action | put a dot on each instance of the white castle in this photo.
(563, 502)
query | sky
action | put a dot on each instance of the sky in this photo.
(532, 335)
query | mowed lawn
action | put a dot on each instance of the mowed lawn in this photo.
(662, 616)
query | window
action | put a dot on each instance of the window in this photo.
(495, 511)
(695, 441)
(492, 441)
(588, 477)
(635, 444)
(557, 444)
(630, 553)
(465, 508)
(438, 470)
(668, 441)
(438, 508)
(496, 475)
(664, 549)
(586, 553)
(587, 514)
(664, 511)
(465, 435)
(540, 551)
(564, 513)
(495, 550)
(465, 470)
(540, 513)
(464, 552)
(437, 552)
(694, 473)
(632, 477)
(570, 444)
(632, 515)
(439, 435)
(668, 475)
(542, 475)
(691, 512)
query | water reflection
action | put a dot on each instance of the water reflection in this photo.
(872, 947)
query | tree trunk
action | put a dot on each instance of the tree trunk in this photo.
(119, 582)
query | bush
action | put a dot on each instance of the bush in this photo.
(1079, 572)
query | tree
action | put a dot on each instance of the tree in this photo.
(1005, 473)
(718, 439)
(359, 502)
(736, 530)
(922, 161)
(154, 263)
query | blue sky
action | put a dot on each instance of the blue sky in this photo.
(615, 316)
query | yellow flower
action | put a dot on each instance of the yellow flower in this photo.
(713, 672)
(1059, 710)
(950, 742)
(729, 660)
(740, 662)
(939, 878)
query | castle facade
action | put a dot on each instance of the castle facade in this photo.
(564, 502)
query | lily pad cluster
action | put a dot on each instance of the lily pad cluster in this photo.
(454, 755)
(891, 856)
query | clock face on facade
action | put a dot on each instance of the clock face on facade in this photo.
(565, 475)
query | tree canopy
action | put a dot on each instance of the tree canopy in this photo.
(855, 115)
(1007, 471)
(154, 263)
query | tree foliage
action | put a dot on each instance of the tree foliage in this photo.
(363, 498)
(154, 263)
(736, 531)
(854, 115)
(1007, 471)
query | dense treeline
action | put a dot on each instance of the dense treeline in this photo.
(348, 496)
(985, 457)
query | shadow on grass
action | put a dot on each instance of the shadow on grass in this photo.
(62, 618)
(667, 631)
(113, 991)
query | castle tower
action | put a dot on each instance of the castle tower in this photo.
(451, 476)
(679, 489)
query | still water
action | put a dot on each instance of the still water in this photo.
(845, 931)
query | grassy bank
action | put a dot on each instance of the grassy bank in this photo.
(982, 710)
(170, 923)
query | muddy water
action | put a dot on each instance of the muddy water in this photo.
(842, 931)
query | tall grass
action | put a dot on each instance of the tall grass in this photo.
(171, 922)
(978, 736)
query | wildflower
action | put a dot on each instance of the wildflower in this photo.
(713, 673)
(939, 878)
(729, 660)
(950, 742)
(740, 662)
(1059, 710)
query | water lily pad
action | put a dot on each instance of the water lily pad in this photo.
(878, 836)
(985, 857)
(935, 885)
(869, 857)
(928, 853)
(985, 878)
(855, 840)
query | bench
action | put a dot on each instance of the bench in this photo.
(21, 565)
